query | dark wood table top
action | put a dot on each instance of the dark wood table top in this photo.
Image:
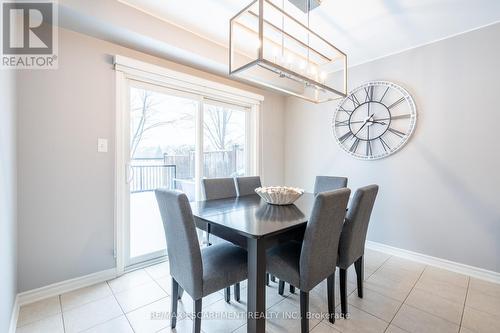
(252, 217)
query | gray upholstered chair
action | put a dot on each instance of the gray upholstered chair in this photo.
(198, 272)
(353, 237)
(321, 184)
(247, 185)
(306, 264)
(220, 188)
(329, 183)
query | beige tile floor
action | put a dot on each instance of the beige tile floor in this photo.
(399, 296)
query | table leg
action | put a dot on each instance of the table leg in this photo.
(256, 322)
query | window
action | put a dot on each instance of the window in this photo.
(224, 141)
(163, 154)
(173, 129)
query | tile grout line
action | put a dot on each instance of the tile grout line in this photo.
(465, 302)
(399, 309)
(124, 314)
(327, 323)
(371, 314)
(113, 293)
(432, 314)
(352, 292)
(62, 313)
(378, 268)
(157, 283)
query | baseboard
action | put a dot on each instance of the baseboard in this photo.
(62, 287)
(14, 316)
(472, 271)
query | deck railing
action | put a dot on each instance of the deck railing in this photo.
(150, 177)
(149, 174)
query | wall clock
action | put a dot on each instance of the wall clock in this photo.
(375, 120)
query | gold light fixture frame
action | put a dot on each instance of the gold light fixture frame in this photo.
(328, 92)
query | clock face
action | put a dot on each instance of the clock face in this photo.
(374, 120)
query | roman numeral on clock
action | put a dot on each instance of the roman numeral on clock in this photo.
(396, 132)
(402, 116)
(346, 136)
(354, 100)
(340, 123)
(384, 145)
(369, 151)
(396, 103)
(346, 111)
(369, 93)
(354, 145)
(383, 95)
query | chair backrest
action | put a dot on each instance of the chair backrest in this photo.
(247, 185)
(184, 254)
(318, 257)
(352, 240)
(218, 188)
(329, 183)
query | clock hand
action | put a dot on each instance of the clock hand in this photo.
(364, 124)
(377, 122)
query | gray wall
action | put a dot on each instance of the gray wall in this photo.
(66, 188)
(8, 224)
(439, 194)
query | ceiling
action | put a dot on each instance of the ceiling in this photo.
(364, 29)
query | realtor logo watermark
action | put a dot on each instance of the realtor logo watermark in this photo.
(29, 34)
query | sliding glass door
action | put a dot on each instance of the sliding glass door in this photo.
(224, 140)
(176, 138)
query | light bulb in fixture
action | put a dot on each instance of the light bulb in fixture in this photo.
(322, 76)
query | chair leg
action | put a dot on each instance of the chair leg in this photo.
(267, 279)
(304, 312)
(343, 291)
(360, 274)
(292, 289)
(273, 278)
(208, 235)
(281, 287)
(175, 296)
(197, 316)
(237, 292)
(330, 282)
(227, 294)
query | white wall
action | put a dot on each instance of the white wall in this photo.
(67, 188)
(8, 224)
(439, 194)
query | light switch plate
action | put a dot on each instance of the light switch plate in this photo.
(102, 145)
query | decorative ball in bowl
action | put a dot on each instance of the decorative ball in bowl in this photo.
(279, 195)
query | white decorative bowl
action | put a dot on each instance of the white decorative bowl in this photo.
(279, 195)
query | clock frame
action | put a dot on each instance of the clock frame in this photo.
(374, 120)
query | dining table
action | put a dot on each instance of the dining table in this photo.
(251, 223)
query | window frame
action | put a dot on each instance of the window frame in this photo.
(133, 73)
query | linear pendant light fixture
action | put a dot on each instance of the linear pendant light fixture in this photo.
(271, 47)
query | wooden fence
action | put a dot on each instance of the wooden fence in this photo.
(151, 172)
